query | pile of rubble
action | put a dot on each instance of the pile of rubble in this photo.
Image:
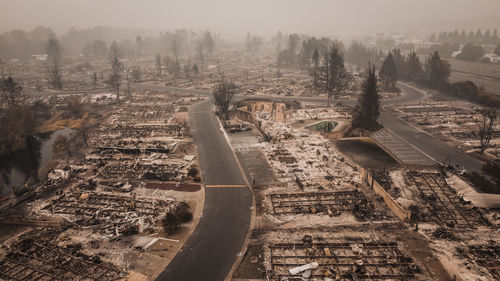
(456, 121)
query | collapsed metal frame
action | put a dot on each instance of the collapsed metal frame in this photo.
(381, 260)
(49, 262)
(488, 257)
(448, 208)
(296, 203)
(107, 205)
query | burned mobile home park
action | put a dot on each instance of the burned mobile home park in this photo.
(250, 141)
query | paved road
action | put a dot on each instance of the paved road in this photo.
(212, 249)
(399, 149)
(433, 147)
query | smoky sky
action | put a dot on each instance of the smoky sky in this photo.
(264, 17)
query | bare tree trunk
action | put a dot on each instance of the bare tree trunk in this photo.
(486, 128)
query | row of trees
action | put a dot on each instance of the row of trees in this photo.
(97, 42)
(456, 37)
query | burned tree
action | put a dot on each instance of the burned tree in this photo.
(315, 58)
(114, 51)
(334, 77)
(11, 91)
(94, 80)
(55, 76)
(115, 78)
(486, 128)
(208, 42)
(196, 70)
(54, 56)
(223, 94)
(158, 63)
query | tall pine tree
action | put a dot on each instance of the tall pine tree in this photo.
(367, 110)
(388, 72)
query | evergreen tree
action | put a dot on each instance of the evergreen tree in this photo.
(54, 50)
(470, 37)
(414, 68)
(478, 37)
(497, 50)
(114, 51)
(463, 37)
(367, 110)
(494, 37)
(471, 52)
(487, 37)
(432, 38)
(208, 42)
(437, 72)
(388, 72)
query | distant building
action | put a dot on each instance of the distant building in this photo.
(40, 57)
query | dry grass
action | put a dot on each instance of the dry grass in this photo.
(55, 123)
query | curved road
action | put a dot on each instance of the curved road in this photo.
(430, 145)
(211, 250)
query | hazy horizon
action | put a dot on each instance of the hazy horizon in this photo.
(234, 18)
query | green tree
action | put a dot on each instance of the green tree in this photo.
(414, 67)
(471, 52)
(367, 110)
(436, 72)
(399, 61)
(388, 72)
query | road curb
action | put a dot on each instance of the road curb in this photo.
(197, 218)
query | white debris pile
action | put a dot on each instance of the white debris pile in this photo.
(321, 113)
(295, 153)
(458, 121)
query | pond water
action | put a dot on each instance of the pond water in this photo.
(16, 168)
(323, 126)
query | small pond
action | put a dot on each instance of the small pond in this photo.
(323, 126)
(16, 167)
